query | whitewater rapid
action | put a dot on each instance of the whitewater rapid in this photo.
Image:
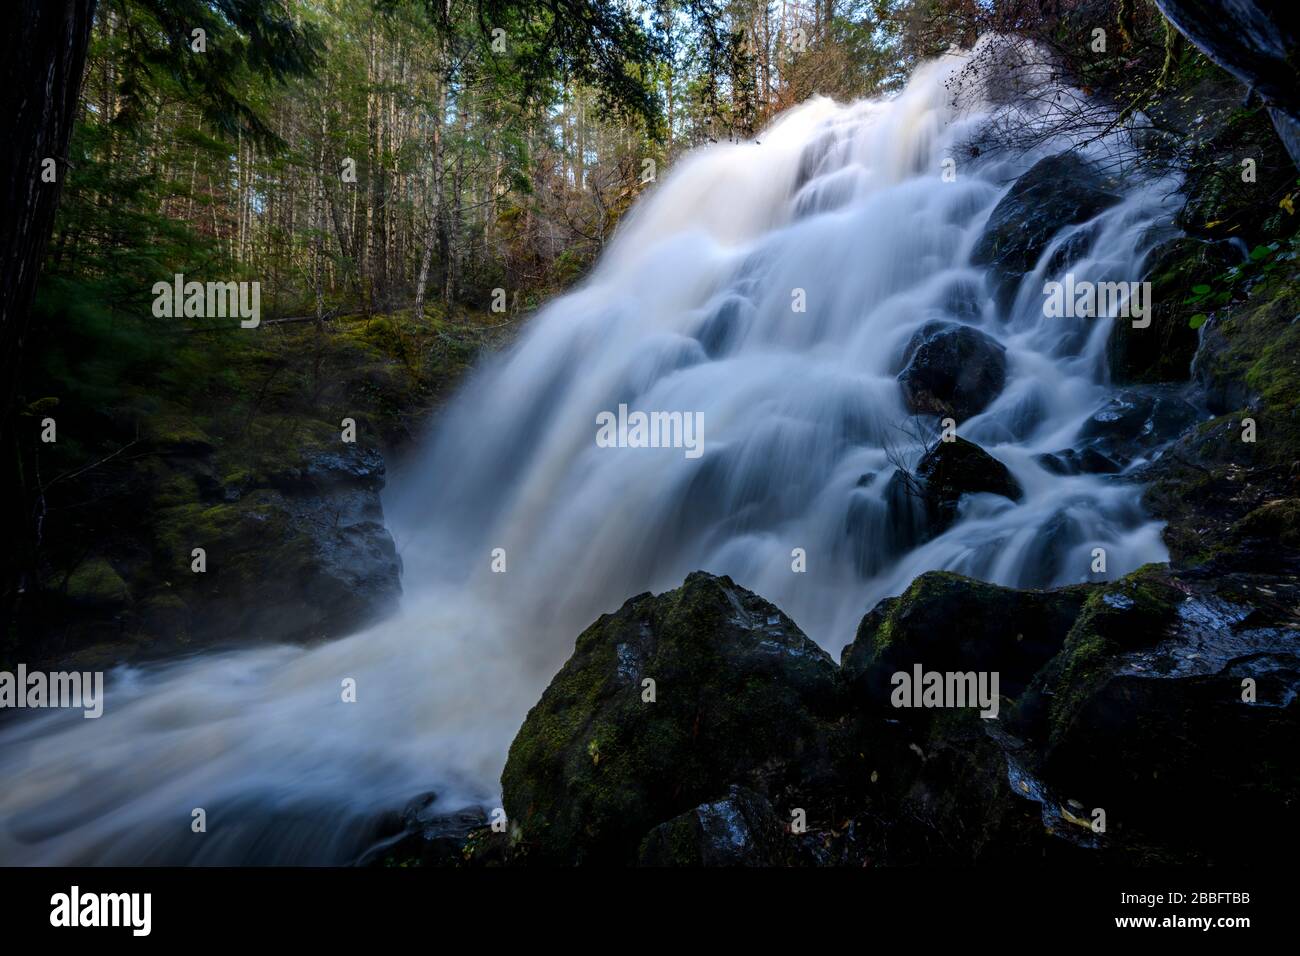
(690, 310)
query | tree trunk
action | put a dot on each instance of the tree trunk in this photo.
(42, 62)
(44, 56)
(433, 215)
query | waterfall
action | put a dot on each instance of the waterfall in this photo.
(691, 309)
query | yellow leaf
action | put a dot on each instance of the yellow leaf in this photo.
(1075, 820)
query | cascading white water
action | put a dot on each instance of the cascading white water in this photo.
(689, 310)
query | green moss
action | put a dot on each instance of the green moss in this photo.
(1132, 612)
(175, 429)
(1260, 347)
(175, 488)
(594, 767)
(95, 581)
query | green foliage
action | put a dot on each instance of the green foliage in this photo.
(1262, 261)
(246, 43)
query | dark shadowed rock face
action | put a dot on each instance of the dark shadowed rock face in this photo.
(1124, 696)
(945, 621)
(740, 829)
(303, 555)
(952, 370)
(1136, 422)
(1056, 192)
(952, 469)
(1146, 705)
(1256, 42)
(1163, 351)
(741, 696)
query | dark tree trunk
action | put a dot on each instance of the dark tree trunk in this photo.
(43, 57)
(42, 60)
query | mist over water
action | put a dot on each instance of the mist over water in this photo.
(689, 310)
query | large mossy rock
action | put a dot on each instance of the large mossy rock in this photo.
(1124, 697)
(1163, 351)
(947, 622)
(96, 585)
(741, 697)
(1144, 715)
(1056, 192)
(295, 549)
(952, 370)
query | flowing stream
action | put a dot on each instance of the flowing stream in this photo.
(690, 309)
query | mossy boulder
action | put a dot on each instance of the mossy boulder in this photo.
(1147, 716)
(306, 558)
(1056, 192)
(947, 622)
(1116, 616)
(96, 584)
(1212, 476)
(1251, 356)
(741, 696)
(1273, 525)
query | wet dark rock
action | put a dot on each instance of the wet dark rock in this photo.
(421, 835)
(952, 469)
(1136, 421)
(1144, 706)
(1256, 43)
(917, 507)
(724, 326)
(947, 622)
(740, 829)
(952, 370)
(1058, 191)
(742, 696)
(1053, 544)
(1163, 351)
(1068, 461)
(879, 529)
(1077, 245)
(964, 298)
